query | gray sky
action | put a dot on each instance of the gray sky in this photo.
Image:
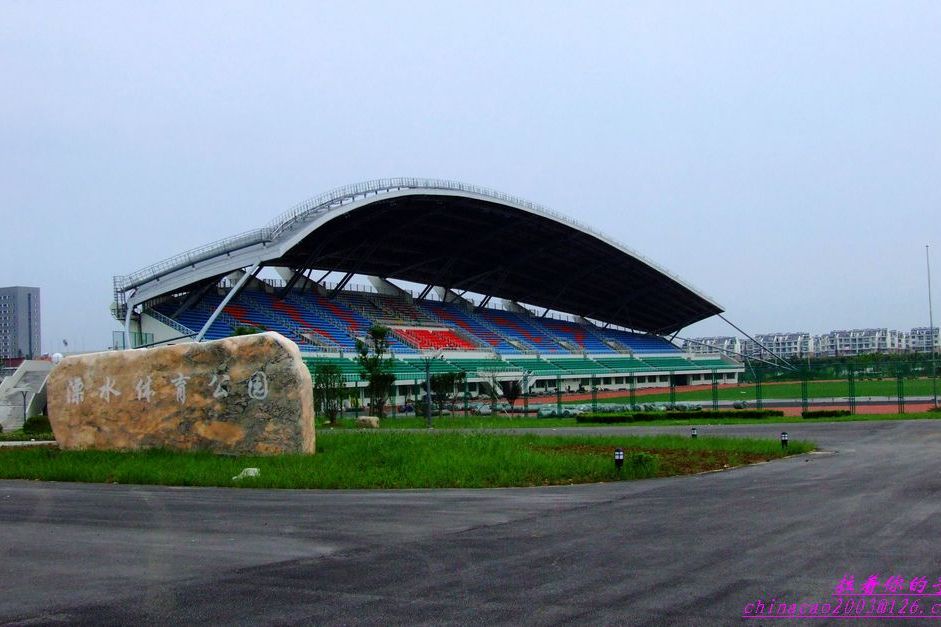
(783, 157)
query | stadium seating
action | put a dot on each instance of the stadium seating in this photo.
(520, 328)
(711, 363)
(455, 315)
(482, 366)
(536, 365)
(398, 310)
(580, 366)
(435, 366)
(667, 363)
(352, 370)
(327, 319)
(522, 343)
(622, 364)
(575, 334)
(639, 343)
(433, 339)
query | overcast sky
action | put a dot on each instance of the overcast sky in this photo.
(783, 158)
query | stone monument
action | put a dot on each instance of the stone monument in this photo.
(250, 394)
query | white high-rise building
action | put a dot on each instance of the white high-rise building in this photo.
(919, 342)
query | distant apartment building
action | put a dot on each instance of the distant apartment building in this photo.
(832, 344)
(19, 322)
(860, 342)
(713, 345)
(920, 339)
(787, 345)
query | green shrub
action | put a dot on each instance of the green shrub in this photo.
(643, 464)
(678, 415)
(37, 424)
(825, 413)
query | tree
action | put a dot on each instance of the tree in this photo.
(377, 368)
(511, 391)
(329, 390)
(241, 330)
(442, 387)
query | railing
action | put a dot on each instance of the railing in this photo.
(170, 322)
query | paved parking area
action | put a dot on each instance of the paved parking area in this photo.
(686, 550)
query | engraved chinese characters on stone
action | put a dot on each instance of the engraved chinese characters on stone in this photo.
(220, 385)
(75, 391)
(258, 386)
(243, 395)
(179, 382)
(143, 388)
(107, 390)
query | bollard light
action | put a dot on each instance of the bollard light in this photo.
(693, 433)
(618, 459)
(784, 439)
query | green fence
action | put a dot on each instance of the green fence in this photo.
(904, 383)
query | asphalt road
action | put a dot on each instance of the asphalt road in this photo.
(686, 550)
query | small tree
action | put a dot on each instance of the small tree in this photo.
(511, 391)
(329, 390)
(442, 387)
(377, 369)
(249, 330)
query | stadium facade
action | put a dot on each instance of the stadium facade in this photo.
(468, 279)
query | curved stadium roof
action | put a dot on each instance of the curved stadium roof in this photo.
(452, 235)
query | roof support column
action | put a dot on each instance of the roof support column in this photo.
(127, 323)
(449, 296)
(294, 278)
(225, 301)
(384, 286)
(425, 291)
(515, 307)
(346, 279)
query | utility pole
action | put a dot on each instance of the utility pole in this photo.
(934, 368)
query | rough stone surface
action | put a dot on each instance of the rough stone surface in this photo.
(367, 422)
(250, 394)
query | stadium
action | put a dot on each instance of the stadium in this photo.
(467, 279)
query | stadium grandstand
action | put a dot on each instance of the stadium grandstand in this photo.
(481, 282)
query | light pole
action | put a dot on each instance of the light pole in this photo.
(934, 368)
(25, 392)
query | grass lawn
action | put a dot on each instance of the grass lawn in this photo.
(815, 389)
(397, 459)
(517, 422)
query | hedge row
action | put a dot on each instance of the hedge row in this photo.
(37, 424)
(825, 413)
(678, 415)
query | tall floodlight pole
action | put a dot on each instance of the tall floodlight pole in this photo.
(934, 369)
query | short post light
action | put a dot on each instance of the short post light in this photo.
(693, 433)
(618, 459)
(784, 439)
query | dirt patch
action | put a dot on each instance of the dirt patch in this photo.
(670, 461)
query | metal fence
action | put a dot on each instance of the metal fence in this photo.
(904, 384)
